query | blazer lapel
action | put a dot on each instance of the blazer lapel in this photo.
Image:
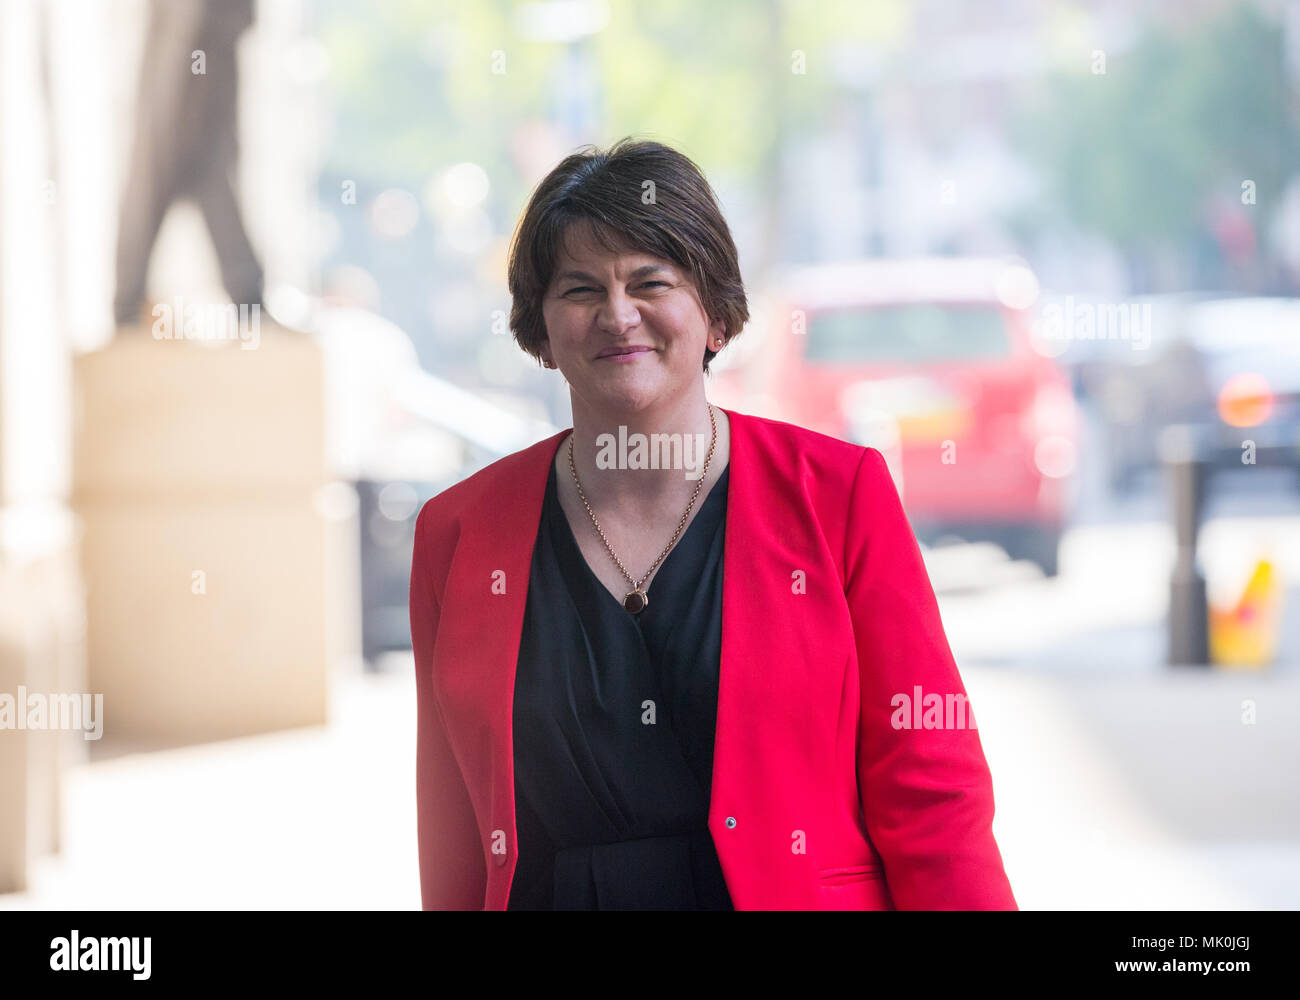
(479, 632)
(781, 664)
(747, 634)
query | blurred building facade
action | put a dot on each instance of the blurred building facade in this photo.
(173, 536)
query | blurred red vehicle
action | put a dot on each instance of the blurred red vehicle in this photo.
(933, 362)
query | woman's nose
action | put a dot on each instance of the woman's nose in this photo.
(617, 313)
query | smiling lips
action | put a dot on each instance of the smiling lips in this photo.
(623, 353)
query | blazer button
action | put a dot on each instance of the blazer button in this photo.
(500, 859)
(731, 822)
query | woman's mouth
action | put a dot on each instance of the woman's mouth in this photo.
(624, 353)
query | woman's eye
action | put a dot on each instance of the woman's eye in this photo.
(585, 288)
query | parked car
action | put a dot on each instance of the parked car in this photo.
(1227, 367)
(400, 435)
(1127, 377)
(1246, 352)
(932, 361)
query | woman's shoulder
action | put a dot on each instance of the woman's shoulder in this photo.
(790, 448)
(841, 483)
(486, 488)
(804, 437)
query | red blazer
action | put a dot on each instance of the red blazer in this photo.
(818, 802)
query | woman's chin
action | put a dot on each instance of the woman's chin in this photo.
(628, 395)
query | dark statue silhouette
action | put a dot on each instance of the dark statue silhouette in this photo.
(186, 146)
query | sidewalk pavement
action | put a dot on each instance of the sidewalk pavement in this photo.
(1123, 792)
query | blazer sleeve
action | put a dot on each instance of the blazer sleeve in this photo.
(927, 794)
(452, 869)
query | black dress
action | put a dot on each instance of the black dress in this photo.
(614, 719)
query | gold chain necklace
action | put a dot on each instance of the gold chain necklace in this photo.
(636, 600)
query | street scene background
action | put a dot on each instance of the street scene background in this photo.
(1044, 255)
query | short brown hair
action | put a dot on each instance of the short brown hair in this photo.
(605, 190)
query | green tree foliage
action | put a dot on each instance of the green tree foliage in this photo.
(1136, 153)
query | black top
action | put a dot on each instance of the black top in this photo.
(614, 718)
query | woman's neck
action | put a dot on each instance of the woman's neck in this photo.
(647, 456)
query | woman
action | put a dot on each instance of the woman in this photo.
(671, 677)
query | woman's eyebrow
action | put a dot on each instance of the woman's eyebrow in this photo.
(640, 272)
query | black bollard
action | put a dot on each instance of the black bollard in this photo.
(1186, 471)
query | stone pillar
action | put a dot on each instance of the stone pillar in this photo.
(219, 552)
(40, 594)
(218, 557)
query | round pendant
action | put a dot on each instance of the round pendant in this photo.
(635, 602)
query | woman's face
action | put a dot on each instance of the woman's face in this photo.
(626, 329)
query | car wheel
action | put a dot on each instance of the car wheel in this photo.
(1041, 546)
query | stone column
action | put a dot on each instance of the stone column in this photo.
(40, 593)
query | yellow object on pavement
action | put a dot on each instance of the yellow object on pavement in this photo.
(1246, 635)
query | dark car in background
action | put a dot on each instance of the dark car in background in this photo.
(400, 435)
(1247, 385)
(1126, 376)
(1229, 368)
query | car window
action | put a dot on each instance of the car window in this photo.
(1224, 327)
(912, 332)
